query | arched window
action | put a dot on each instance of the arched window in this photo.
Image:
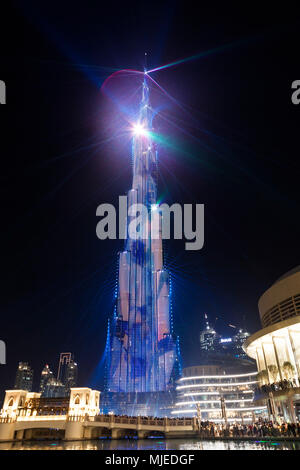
(77, 400)
(87, 399)
(11, 401)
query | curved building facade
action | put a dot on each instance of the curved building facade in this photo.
(276, 347)
(204, 388)
(282, 300)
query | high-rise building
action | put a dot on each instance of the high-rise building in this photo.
(24, 377)
(54, 389)
(142, 351)
(71, 375)
(238, 340)
(218, 349)
(67, 371)
(208, 337)
(45, 376)
(64, 360)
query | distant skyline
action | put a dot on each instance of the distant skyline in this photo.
(36, 374)
(231, 139)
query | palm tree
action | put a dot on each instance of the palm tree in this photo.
(288, 370)
(262, 377)
(273, 371)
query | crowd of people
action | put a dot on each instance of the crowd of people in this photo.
(281, 385)
(259, 430)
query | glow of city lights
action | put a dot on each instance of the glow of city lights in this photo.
(229, 384)
(218, 409)
(214, 401)
(216, 376)
(193, 394)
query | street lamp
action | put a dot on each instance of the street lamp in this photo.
(198, 415)
(223, 410)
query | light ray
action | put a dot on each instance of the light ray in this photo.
(214, 50)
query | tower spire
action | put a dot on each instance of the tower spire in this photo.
(143, 350)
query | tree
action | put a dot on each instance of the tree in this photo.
(273, 372)
(288, 370)
(262, 377)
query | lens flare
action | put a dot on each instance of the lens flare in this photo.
(139, 130)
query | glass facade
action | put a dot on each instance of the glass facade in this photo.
(46, 375)
(206, 393)
(142, 352)
(24, 377)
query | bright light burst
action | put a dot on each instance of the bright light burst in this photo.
(154, 207)
(139, 129)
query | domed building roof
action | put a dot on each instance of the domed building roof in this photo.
(289, 273)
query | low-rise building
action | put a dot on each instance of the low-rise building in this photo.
(218, 394)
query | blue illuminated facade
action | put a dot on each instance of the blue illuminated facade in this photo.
(142, 352)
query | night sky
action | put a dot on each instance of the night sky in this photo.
(232, 143)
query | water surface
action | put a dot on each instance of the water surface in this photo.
(153, 444)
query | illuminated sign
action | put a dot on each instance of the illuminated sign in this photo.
(225, 340)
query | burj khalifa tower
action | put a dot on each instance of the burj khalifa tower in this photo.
(142, 353)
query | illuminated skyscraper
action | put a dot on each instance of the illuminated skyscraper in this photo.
(24, 377)
(208, 337)
(67, 371)
(71, 375)
(46, 374)
(64, 360)
(218, 349)
(142, 352)
(54, 389)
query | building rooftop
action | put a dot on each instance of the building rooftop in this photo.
(289, 273)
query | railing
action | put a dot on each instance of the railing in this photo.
(42, 418)
(281, 386)
(77, 418)
(141, 420)
(132, 420)
(7, 419)
(102, 418)
(180, 422)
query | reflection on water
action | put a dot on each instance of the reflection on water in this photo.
(151, 444)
